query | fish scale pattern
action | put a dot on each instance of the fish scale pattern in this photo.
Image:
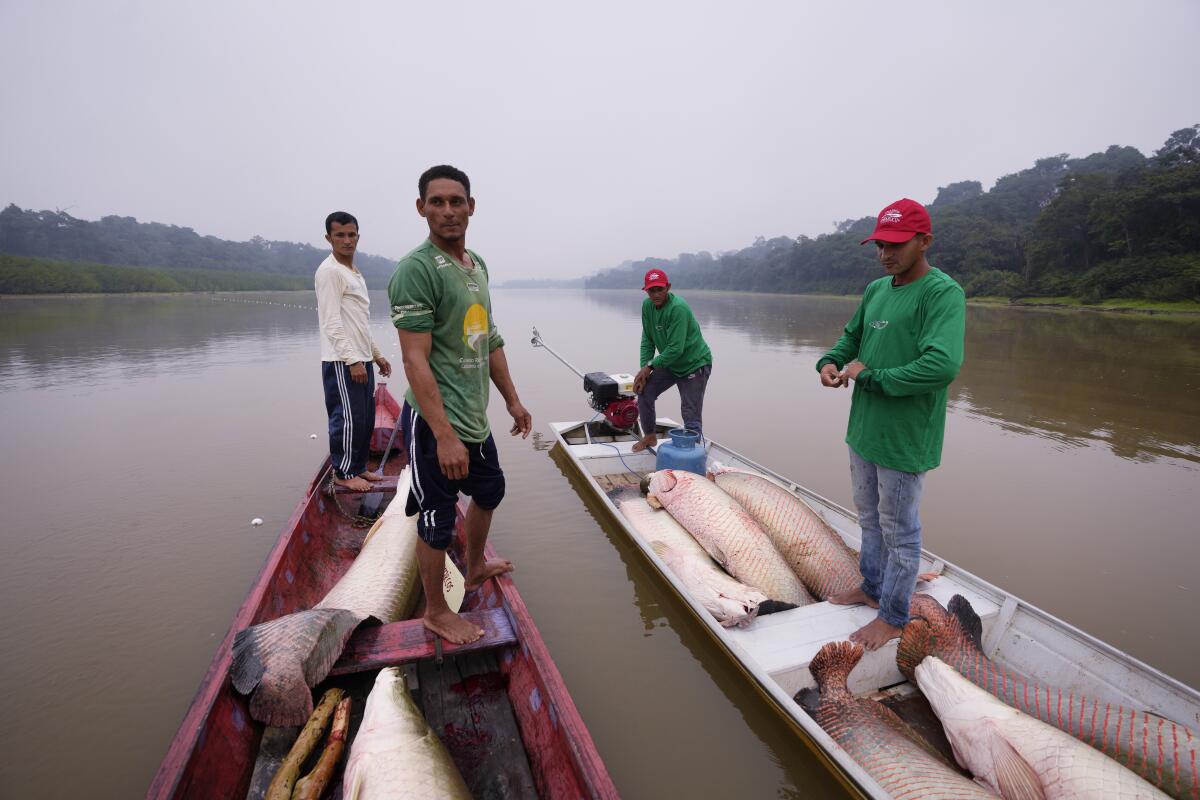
(814, 551)
(878, 740)
(1161, 751)
(984, 732)
(728, 533)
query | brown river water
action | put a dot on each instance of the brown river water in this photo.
(142, 434)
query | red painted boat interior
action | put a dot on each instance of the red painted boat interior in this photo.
(214, 751)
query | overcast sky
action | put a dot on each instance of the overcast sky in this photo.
(591, 135)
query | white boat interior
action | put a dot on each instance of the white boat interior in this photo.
(777, 648)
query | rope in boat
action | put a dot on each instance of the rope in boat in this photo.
(357, 520)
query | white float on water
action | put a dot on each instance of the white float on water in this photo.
(257, 521)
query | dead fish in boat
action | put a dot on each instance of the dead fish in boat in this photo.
(281, 659)
(1015, 754)
(727, 532)
(874, 736)
(727, 599)
(395, 753)
(1163, 752)
(814, 551)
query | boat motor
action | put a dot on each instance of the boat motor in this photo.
(610, 394)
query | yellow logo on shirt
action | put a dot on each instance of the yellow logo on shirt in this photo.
(475, 325)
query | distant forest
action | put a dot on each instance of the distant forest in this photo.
(120, 254)
(1112, 225)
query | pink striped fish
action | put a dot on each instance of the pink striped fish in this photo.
(1163, 752)
(727, 532)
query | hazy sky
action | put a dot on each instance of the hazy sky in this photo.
(591, 134)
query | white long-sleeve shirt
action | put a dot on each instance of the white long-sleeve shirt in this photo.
(343, 313)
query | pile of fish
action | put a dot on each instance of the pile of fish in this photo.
(279, 661)
(1161, 751)
(738, 539)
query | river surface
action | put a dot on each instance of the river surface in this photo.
(141, 435)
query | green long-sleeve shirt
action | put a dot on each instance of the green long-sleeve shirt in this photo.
(673, 331)
(911, 340)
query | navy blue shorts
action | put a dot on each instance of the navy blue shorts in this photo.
(433, 494)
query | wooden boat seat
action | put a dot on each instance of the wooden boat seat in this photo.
(784, 643)
(378, 646)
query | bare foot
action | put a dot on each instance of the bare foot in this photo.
(646, 441)
(452, 627)
(875, 634)
(491, 568)
(373, 477)
(355, 484)
(852, 597)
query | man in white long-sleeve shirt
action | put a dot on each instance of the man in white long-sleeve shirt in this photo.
(347, 355)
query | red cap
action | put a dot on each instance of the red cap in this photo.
(901, 221)
(655, 277)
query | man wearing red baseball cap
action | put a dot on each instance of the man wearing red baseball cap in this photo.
(683, 360)
(901, 349)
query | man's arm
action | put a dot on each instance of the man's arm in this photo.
(452, 454)
(498, 367)
(941, 347)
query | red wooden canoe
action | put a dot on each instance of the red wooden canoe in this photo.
(468, 693)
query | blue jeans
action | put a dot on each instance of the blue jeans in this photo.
(887, 502)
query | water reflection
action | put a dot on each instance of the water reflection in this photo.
(1129, 383)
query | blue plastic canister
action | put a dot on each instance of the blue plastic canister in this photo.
(681, 452)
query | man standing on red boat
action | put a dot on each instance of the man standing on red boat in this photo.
(443, 313)
(684, 360)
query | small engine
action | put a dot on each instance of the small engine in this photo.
(612, 396)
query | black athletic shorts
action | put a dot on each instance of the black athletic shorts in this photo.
(432, 493)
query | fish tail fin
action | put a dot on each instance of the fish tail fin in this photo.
(832, 664)
(280, 660)
(972, 626)
(809, 699)
(916, 642)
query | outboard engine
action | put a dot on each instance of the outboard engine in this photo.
(612, 396)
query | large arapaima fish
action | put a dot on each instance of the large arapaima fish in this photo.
(891, 752)
(1164, 752)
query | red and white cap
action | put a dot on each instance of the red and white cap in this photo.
(655, 277)
(901, 221)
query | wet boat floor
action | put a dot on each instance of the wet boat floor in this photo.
(904, 699)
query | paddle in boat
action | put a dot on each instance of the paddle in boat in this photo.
(498, 705)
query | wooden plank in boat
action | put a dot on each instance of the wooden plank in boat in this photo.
(379, 646)
(467, 706)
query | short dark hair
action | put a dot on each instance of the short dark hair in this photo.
(341, 218)
(443, 171)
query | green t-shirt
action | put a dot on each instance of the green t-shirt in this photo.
(673, 331)
(431, 293)
(911, 339)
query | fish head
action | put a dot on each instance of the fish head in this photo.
(661, 486)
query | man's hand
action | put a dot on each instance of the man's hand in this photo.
(830, 376)
(453, 458)
(851, 371)
(358, 372)
(385, 367)
(639, 380)
(522, 420)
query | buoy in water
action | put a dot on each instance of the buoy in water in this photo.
(312, 436)
(256, 522)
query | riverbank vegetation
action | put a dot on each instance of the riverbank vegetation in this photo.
(20, 275)
(179, 256)
(1112, 225)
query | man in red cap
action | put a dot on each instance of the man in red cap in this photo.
(683, 360)
(901, 349)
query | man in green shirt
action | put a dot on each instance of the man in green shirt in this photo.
(901, 349)
(451, 348)
(683, 360)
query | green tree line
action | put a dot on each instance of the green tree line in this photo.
(123, 241)
(1111, 225)
(21, 275)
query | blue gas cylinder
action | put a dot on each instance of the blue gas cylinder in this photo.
(682, 452)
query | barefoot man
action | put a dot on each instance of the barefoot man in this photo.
(683, 360)
(901, 349)
(347, 353)
(443, 313)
